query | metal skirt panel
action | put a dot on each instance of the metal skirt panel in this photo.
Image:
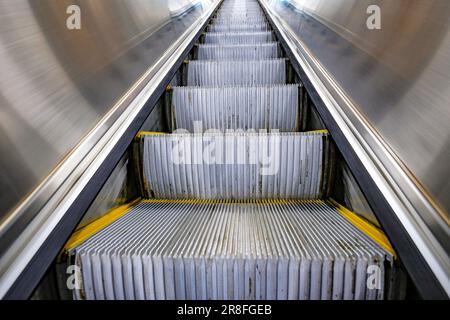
(239, 52)
(227, 38)
(234, 165)
(261, 107)
(254, 251)
(251, 72)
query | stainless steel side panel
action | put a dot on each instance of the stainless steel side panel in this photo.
(56, 84)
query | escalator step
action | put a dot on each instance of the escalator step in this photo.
(239, 27)
(239, 20)
(238, 52)
(236, 9)
(256, 107)
(252, 72)
(238, 37)
(234, 165)
(234, 215)
(240, 10)
(240, 15)
(212, 250)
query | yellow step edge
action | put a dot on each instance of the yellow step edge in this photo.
(368, 228)
(318, 131)
(143, 133)
(84, 233)
(225, 201)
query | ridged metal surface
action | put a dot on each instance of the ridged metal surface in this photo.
(239, 20)
(239, 27)
(239, 15)
(225, 38)
(252, 72)
(238, 52)
(262, 107)
(234, 165)
(230, 251)
(240, 10)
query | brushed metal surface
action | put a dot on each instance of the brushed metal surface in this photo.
(398, 76)
(56, 84)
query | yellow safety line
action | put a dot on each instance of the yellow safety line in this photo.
(368, 228)
(80, 235)
(142, 133)
(318, 131)
(225, 201)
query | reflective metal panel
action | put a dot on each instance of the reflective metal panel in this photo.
(57, 83)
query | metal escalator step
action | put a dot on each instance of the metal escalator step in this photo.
(239, 27)
(239, 20)
(258, 107)
(233, 5)
(239, 15)
(239, 4)
(240, 10)
(235, 165)
(212, 250)
(216, 73)
(238, 52)
(225, 38)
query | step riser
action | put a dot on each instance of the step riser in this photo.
(238, 38)
(217, 73)
(241, 20)
(269, 107)
(234, 166)
(239, 27)
(241, 52)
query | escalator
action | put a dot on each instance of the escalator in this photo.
(235, 198)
